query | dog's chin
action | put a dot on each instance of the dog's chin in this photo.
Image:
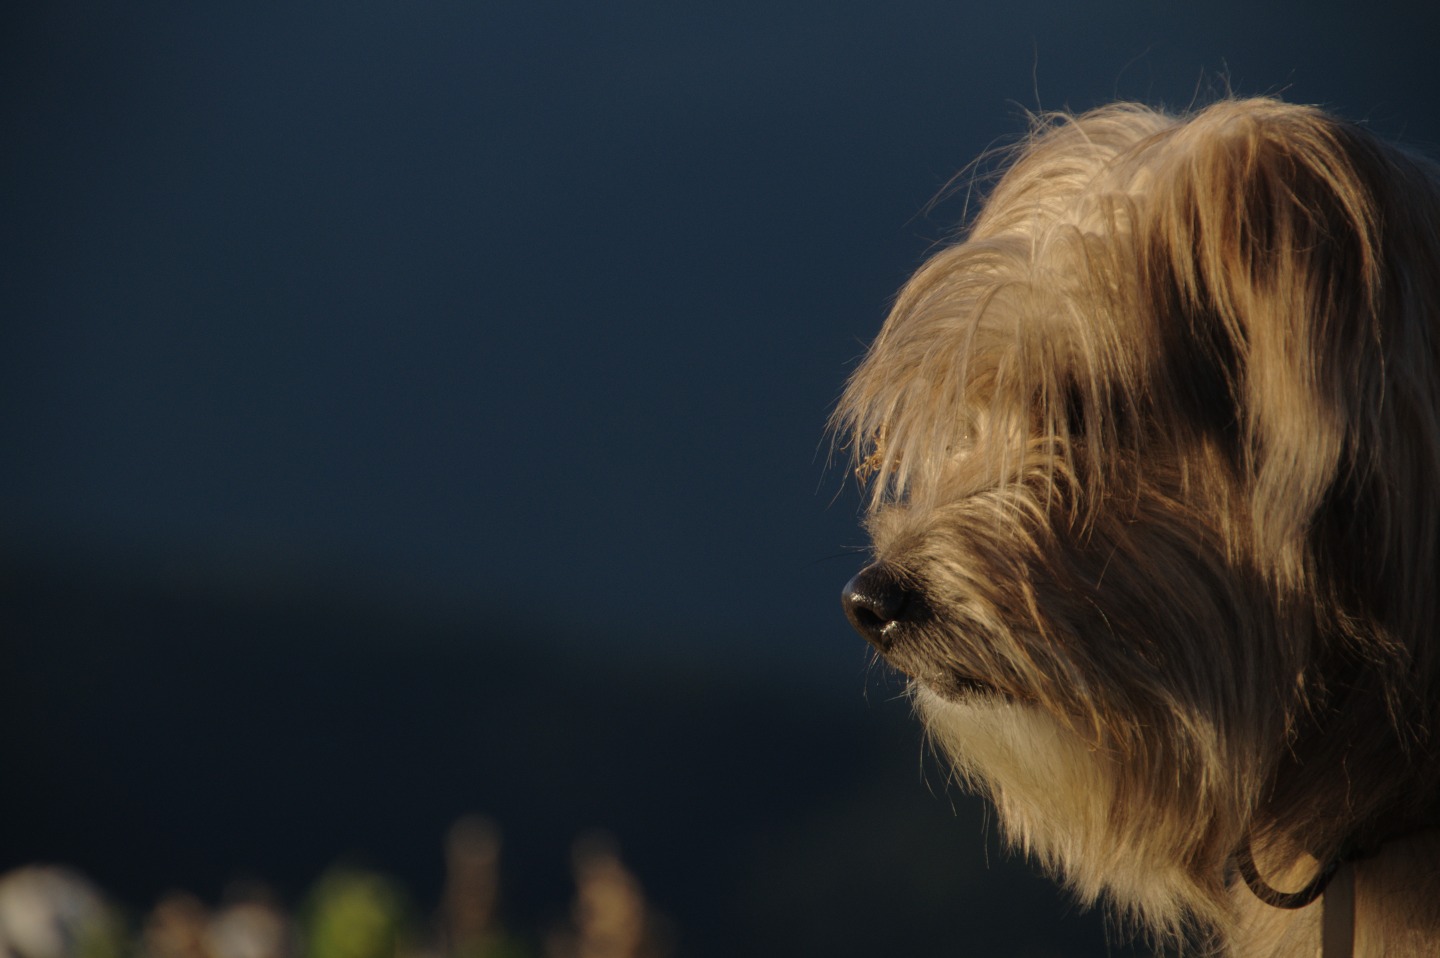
(960, 687)
(945, 681)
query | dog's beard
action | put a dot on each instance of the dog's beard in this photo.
(1108, 683)
(1056, 797)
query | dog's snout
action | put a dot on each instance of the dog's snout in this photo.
(875, 600)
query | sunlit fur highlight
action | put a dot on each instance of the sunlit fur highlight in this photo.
(1158, 443)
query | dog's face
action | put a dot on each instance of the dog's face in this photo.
(1154, 462)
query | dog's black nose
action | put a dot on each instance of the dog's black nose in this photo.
(875, 600)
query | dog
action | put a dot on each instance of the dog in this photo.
(1153, 468)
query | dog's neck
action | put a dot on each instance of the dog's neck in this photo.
(1396, 906)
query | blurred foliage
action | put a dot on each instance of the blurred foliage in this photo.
(350, 912)
(356, 914)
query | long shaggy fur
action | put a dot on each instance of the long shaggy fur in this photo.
(1158, 447)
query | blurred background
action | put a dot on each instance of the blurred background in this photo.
(416, 409)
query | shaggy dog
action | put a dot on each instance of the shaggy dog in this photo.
(1154, 457)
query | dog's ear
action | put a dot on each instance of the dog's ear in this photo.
(1292, 259)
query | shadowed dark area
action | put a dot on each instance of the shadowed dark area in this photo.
(187, 739)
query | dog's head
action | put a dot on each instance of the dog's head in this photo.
(1154, 470)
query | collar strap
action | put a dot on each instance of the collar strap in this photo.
(1337, 918)
(1291, 899)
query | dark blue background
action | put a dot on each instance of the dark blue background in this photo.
(335, 334)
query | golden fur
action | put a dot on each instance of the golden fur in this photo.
(1155, 452)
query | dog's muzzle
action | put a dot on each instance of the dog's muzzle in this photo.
(878, 604)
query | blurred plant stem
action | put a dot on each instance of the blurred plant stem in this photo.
(610, 917)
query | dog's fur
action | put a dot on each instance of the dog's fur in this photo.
(1154, 459)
